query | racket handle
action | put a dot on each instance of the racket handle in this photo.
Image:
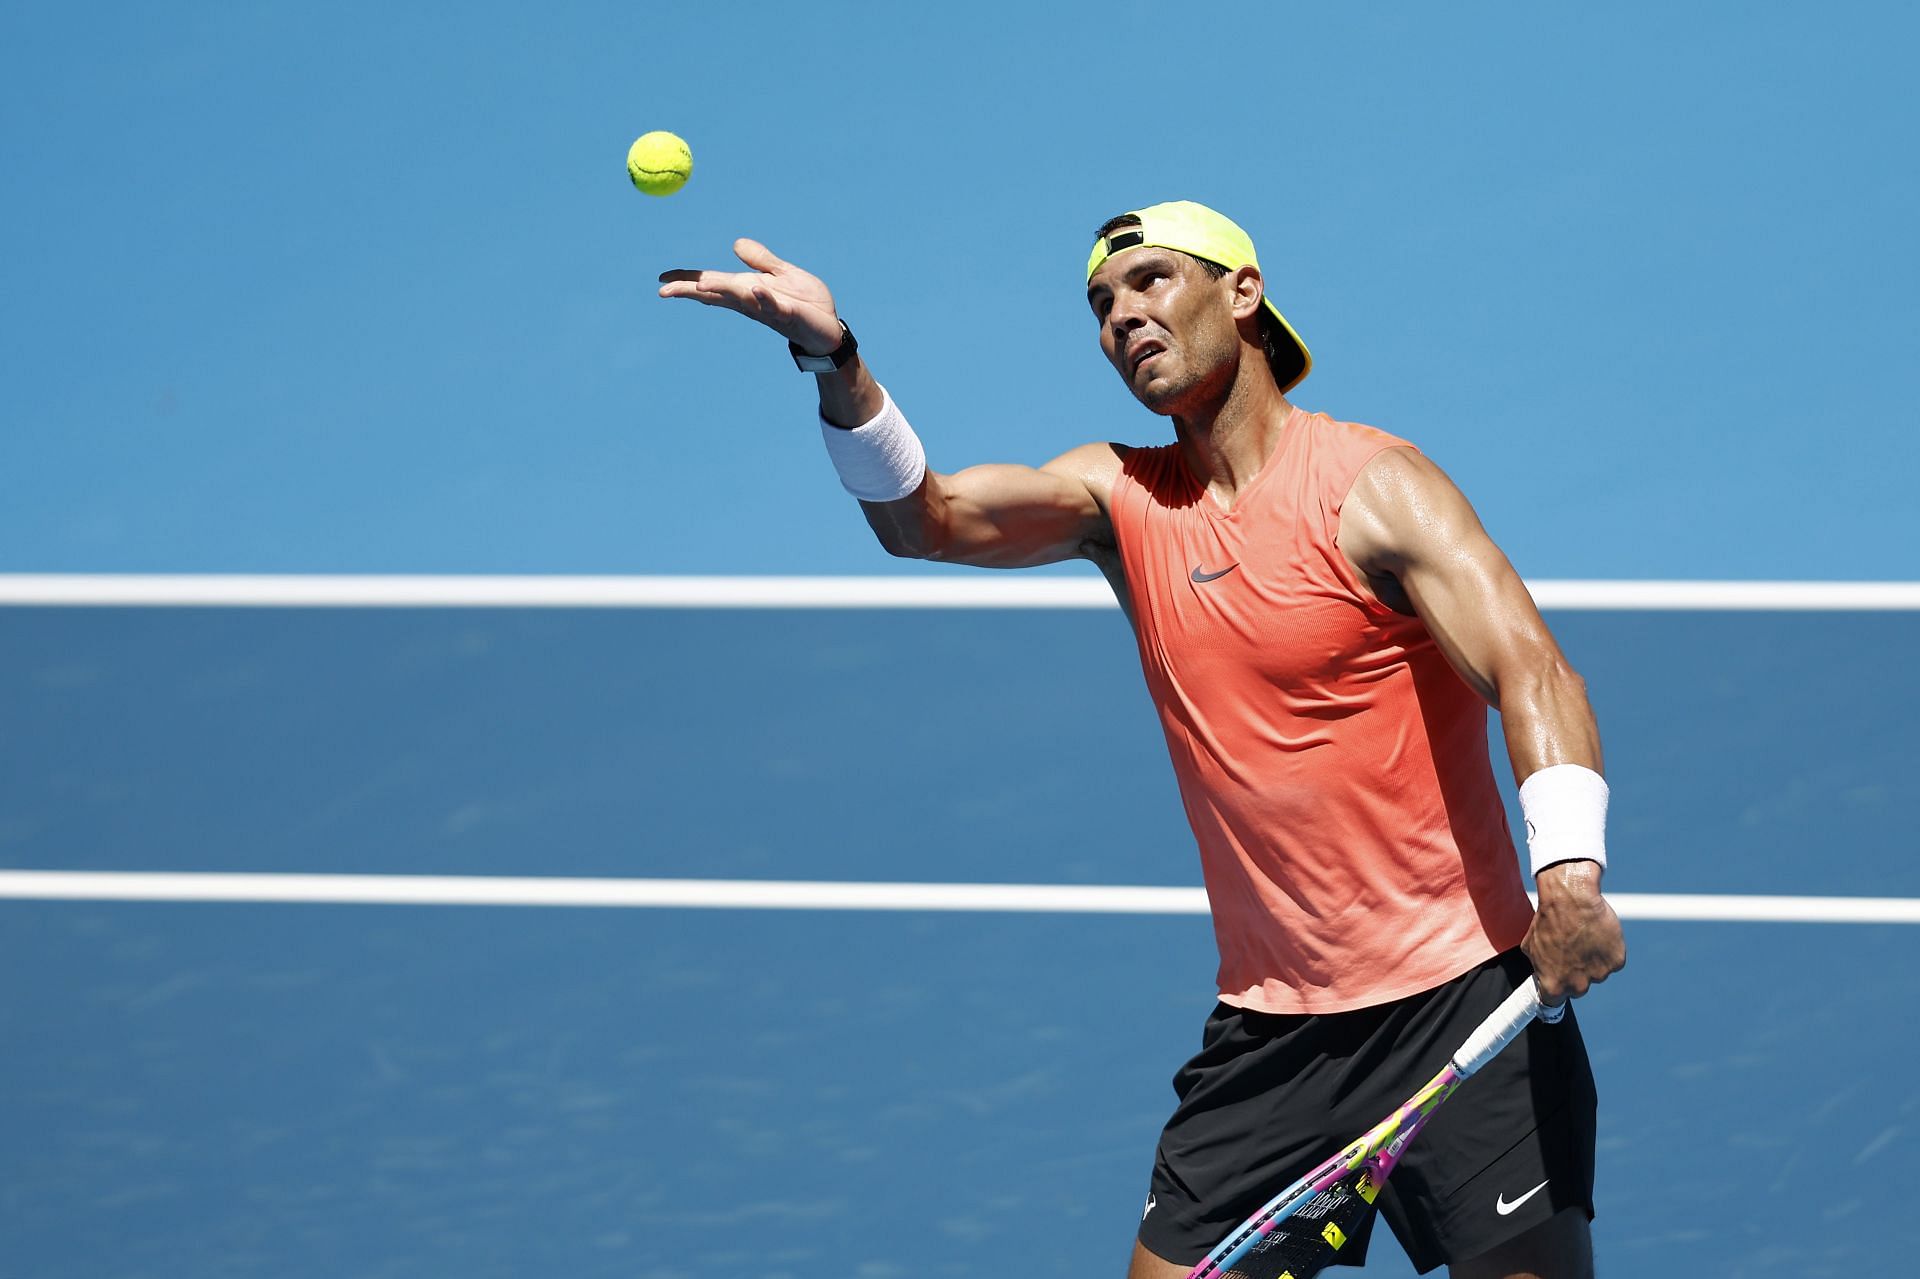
(1498, 1030)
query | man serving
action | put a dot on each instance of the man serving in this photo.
(1322, 623)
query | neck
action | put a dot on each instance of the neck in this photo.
(1228, 440)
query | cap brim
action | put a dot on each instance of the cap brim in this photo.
(1294, 364)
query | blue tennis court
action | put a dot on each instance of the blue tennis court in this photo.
(302, 290)
(319, 1090)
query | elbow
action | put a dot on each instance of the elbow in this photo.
(1571, 681)
(1550, 682)
(901, 540)
(903, 550)
(911, 528)
(1560, 675)
(1549, 719)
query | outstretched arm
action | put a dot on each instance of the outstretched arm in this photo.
(1407, 527)
(1000, 516)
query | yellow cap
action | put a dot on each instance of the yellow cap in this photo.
(1197, 230)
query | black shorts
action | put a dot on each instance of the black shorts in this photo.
(1270, 1095)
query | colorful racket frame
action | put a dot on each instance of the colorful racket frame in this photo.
(1371, 1157)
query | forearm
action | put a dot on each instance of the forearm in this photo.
(1575, 938)
(849, 395)
(850, 398)
(1547, 719)
(1554, 745)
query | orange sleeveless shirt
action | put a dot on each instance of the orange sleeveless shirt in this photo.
(1333, 765)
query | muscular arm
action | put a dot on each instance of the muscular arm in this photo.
(1407, 527)
(1003, 516)
(1404, 520)
(993, 516)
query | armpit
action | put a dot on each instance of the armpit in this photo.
(1105, 555)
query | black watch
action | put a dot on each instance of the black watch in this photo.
(832, 360)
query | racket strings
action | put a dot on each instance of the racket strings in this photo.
(1310, 1239)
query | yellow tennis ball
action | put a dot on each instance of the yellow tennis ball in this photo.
(659, 163)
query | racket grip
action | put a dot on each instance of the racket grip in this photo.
(1498, 1030)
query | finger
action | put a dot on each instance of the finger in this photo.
(679, 284)
(689, 289)
(764, 298)
(718, 288)
(710, 281)
(704, 299)
(759, 256)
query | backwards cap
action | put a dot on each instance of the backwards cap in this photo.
(1198, 231)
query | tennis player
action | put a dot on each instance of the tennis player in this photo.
(1322, 622)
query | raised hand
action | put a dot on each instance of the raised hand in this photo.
(792, 302)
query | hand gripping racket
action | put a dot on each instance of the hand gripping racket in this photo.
(1302, 1228)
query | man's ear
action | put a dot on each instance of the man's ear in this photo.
(1248, 290)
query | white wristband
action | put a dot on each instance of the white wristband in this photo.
(1566, 811)
(881, 459)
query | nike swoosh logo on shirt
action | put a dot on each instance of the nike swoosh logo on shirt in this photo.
(1198, 576)
(1503, 1207)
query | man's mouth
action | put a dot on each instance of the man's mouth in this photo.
(1146, 352)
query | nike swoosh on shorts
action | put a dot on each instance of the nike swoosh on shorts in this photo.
(1503, 1207)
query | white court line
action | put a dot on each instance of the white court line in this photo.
(969, 591)
(749, 894)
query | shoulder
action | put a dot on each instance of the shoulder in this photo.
(1396, 469)
(1355, 441)
(1099, 466)
(1329, 454)
(1399, 500)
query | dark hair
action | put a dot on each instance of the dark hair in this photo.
(1283, 358)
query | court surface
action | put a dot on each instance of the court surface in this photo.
(324, 1090)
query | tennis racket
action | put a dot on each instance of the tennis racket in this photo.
(1301, 1229)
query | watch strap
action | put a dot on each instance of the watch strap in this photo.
(832, 360)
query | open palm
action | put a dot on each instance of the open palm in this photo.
(792, 302)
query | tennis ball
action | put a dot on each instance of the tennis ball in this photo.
(659, 163)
